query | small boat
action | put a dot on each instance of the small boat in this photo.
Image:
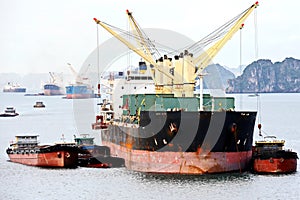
(26, 150)
(269, 156)
(39, 104)
(95, 156)
(9, 112)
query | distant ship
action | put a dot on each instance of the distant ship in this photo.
(79, 91)
(10, 87)
(25, 150)
(53, 87)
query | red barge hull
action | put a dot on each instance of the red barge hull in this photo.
(270, 157)
(58, 155)
(51, 159)
(275, 165)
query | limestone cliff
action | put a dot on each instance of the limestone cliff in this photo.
(264, 76)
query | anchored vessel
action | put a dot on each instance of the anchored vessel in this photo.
(183, 141)
(51, 89)
(9, 112)
(79, 91)
(54, 86)
(173, 130)
(25, 150)
(10, 87)
(269, 156)
(39, 104)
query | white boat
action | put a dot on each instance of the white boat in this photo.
(9, 112)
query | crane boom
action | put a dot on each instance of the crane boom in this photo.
(52, 76)
(138, 51)
(142, 40)
(178, 77)
(78, 79)
(206, 57)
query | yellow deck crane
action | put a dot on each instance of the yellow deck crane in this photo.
(142, 39)
(186, 67)
(144, 52)
(163, 81)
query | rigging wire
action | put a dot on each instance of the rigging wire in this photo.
(258, 104)
(256, 57)
(129, 35)
(195, 47)
(215, 35)
(98, 63)
(241, 99)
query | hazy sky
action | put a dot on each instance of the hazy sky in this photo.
(42, 36)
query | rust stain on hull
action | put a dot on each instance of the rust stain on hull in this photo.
(181, 162)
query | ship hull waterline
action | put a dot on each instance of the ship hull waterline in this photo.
(49, 92)
(181, 162)
(79, 96)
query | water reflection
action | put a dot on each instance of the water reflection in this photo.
(202, 179)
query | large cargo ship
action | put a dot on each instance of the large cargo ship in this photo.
(55, 86)
(186, 141)
(174, 131)
(51, 89)
(25, 150)
(79, 91)
(10, 87)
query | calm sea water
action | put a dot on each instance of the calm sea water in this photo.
(279, 115)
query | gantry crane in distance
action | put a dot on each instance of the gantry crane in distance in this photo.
(178, 77)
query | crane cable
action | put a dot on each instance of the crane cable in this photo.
(241, 98)
(98, 63)
(258, 104)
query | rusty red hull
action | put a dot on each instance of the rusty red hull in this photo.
(181, 162)
(275, 165)
(60, 159)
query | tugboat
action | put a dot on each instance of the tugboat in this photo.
(39, 104)
(269, 156)
(95, 156)
(26, 150)
(9, 112)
